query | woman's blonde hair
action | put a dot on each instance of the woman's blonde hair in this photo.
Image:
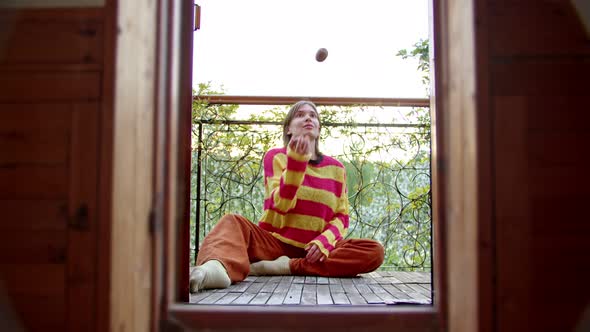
(291, 115)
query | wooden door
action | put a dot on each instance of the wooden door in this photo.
(49, 123)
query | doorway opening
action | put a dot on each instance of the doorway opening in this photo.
(373, 93)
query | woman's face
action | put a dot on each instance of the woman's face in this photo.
(305, 122)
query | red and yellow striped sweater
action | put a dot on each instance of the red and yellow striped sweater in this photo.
(305, 202)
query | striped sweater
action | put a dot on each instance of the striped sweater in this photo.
(305, 202)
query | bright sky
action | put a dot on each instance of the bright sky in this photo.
(267, 47)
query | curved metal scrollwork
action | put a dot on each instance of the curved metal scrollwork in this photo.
(388, 177)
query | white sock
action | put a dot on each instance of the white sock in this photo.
(210, 274)
(279, 266)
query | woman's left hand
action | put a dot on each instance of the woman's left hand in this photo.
(314, 254)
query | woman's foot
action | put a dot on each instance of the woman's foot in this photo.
(210, 274)
(279, 266)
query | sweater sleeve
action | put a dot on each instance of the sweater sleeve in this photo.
(337, 228)
(283, 180)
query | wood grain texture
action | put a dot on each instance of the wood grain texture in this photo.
(33, 215)
(465, 307)
(134, 114)
(49, 123)
(376, 288)
(34, 133)
(521, 29)
(58, 39)
(49, 86)
(539, 72)
(83, 181)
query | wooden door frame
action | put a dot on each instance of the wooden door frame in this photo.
(456, 176)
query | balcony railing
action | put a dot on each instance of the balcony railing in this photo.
(383, 143)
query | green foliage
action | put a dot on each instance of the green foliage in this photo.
(421, 53)
(388, 169)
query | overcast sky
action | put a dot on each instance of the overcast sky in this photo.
(267, 47)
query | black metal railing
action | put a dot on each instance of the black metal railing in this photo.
(386, 155)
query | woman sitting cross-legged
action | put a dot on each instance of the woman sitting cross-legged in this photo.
(305, 218)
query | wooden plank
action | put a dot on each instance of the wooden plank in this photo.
(559, 77)
(20, 278)
(269, 287)
(49, 86)
(239, 287)
(428, 287)
(516, 29)
(366, 292)
(336, 288)
(396, 293)
(564, 147)
(34, 133)
(41, 313)
(412, 293)
(279, 293)
(254, 288)
(308, 295)
(539, 112)
(416, 277)
(340, 298)
(323, 281)
(228, 298)
(294, 294)
(348, 286)
(425, 277)
(261, 298)
(276, 298)
(391, 280)
(287, 279)
(401, 276)
(275, 279)
(311, 280)
(323, 294)
(82, 246)
(382, 293)
(299, 280)
(33, 181)
(194, 298)
(244, 298)
(334, 281)
(263, 279)
(33, 215)
(213, 298)
(33, 247)
(419, 289)
(58, 40)
(356, 299)
(513, 223)
(282, 287)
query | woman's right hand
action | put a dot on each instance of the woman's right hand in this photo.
(300, 144)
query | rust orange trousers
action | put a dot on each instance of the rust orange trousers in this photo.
(236, 242)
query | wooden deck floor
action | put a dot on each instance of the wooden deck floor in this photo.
(375, 288)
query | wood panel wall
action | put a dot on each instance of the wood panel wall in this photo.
(517, 255)
(539, 69)
(51, 100)
(532, 130)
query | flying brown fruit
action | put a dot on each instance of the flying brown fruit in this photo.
(321, 55)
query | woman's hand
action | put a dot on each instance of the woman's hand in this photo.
(300, 144)
(314, 254)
